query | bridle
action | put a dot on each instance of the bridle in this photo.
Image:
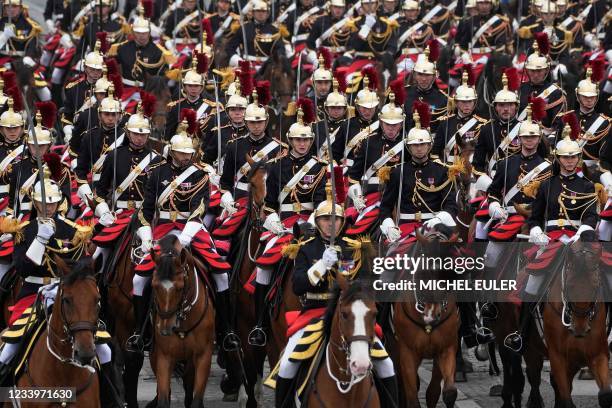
(569, 308)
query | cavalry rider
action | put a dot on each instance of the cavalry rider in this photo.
(427, 193)
(298, 22)
(223, 19)
(464, 124)
(565, 209)
(498, 137)
(18, 34)
(79, 90)
(193, 98)
(316, 264)
(182, 28)
(175, 200)
(334, 116)
(540, 85)
(294, 188)
(97, 143)
(423, 87)
(103, 20)
(414, 35)
(331, 30)
(321, 87)
(12, 146)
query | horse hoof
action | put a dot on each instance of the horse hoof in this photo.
(535, 401)
(449, 397)
(586, 374)
(605, 398)
(152, 404)
(495, 391)
(230, 397)
(460, 377)
(229, 386)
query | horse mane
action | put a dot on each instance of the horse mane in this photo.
(255, 167)
(165, 265)
(156, 84)
(80, 269)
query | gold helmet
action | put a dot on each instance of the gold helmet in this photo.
(43, 136)
(109, 3)
(10, 118)
(528, 127)
(567, 146)
(138, 123)
(423, 65)
(325, 208)
(321, 73)
(338, 3)
(103, 83)
(260, 5)
(181, 142)
(94, 59)
(417, 135)
(53, 194)
(110, 104)
(536, 60)
(368, 1)
(587, 87)
(12, 2)
(255, 112)
(464, 91)
(141, 24)
(410, 5)
(505, 95)
(335, 98)
(192, 77)
(299, 129)
(236, 100)
(548, 7)
(365, 97)
(391, 113)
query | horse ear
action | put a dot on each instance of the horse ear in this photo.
(61, 265)
(96, 263)
(154, 256)
(184, 257)
(420, 237)
(342, 281)
(250, 160)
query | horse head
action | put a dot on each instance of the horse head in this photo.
(78, 301)
(582, 286)
(170, 287)
(257, 184)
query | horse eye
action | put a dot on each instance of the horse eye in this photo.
(344, 315)
(67, 301)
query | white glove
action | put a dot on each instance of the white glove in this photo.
(441, 218)
(106, 217)
(84, 193)
(582, 228)
(66, 41)
(29, 61)
(591, 40)
(146, 237)
(482, 183)
(6, 237)
(311, 57)
(68, 133)
(606, 180)
(214, 178)
(274, 224)
(190, 230)
(457, 51)
(50, 25)
(365, 29)
(228, 203)
(497, 212)
(536, 236)
(46, 229)
(466, 58)
(370, 20)
(356, 195)
(330, 257)
(391, 231)
(9, 31)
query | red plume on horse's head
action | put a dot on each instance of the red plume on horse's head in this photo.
(9, 78)
(542, 41)
(340, 76)
(434, 50)
(424, 111)
(102, 36)
(191, 116)
(147, 6)
(372, 75)
(112, 67)
(338, 184)
(538, 108)
(308, 109)
(15, 93)
(514, 81)
(247, 83)
(148, 103)
(327, 57)
(598, 70)
(571, 119)
(48, 111)
(264, 95)
(54, 163)
(471, 74)
(202, 62)
(207, 28)
(117, 84)
(397, 87)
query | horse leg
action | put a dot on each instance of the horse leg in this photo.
(508, 377)
(188, 380)
(447, 368)
(460, 373)
(163, 370)
(409, 364)
(558, 367)
(432, 394)
(133, 364)
(599, 367)
(534, 362)
(202, 366)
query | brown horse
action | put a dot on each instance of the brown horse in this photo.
(64, 352)
(575, 324)
(427, 328)
(184, 322)
(344, 378)
(157, 86)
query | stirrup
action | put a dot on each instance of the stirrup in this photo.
(484, 335)
(256, 332)
(231, 341)
(135, 344)
(507, 342)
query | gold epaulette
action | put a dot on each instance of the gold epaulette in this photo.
(525, 32)
(480, 119)
(171, 104)
(167, 56)
(284, 32)
(74, 83)
(213, 104)
(114, 49)
(235, 26)
(280, 142)
(352, 23)
(236, 139)
(291, 250)
(391, 23)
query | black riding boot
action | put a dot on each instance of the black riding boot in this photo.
(141, 309)
(467, 329)
(257, 336)
(388, 392)
(231, 341)
(283, 397)
(516, 341)
(110, 386)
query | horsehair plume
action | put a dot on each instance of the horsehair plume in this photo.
(308, 108)
(542, 41)
(372, 75)
(15, 93)
(246, 78)
(340, 186)
(264, 95)
(147, 6)
(424, 111)
(112, 67)
(202, 62)
(340, 76)
(148, 103)
(117, 84)
(327, 57)
(514, 81)
(102, 36)
(434, 50)
(54, 163)
(538, 108)
(9, 78)
(598, 70)
(48, 111)
(470, 73)
(397, 87)
(571, 120)
(207, 29)
(191, 117)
